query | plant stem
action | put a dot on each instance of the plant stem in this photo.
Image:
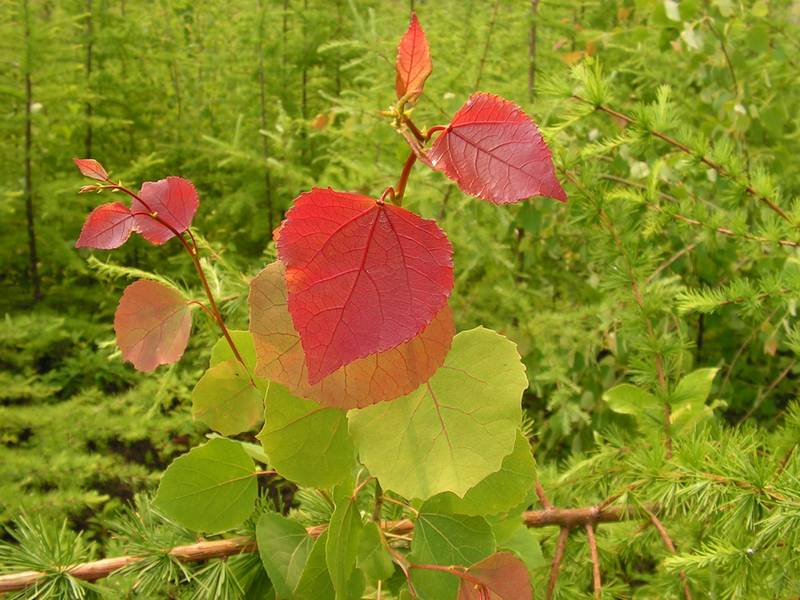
(596, 582)
(193, 253)
(563, 534)
(453, 570)
(401, 184)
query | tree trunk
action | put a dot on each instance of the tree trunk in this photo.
(33, 258)
(262, 88)
(88, 70)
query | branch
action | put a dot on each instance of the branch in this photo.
(565, 518)
(598, 586)
(556, 565)
(722, 171)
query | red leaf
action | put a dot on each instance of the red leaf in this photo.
(174, 200)
(362, 277)
(413, 64)
(107, 226)
(369, 380)
(152, 323)
(494, 151)
(502, 574)
(89, 167)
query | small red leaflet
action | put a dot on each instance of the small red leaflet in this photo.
(91, 168)
(108, 226)
(173, 199)
(362, 276)
(413, 64)
(494, 151)
(152, 324)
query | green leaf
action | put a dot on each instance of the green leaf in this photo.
(306, 443)
(500, 491)
(453, 431)
(523, 543)
(373, 557)
(226, 400)
(446, 539)
(695, 387)
(344, 536)
(315, 581)
(284, 546)
(627, 399)
(212, 488)
(221, 351)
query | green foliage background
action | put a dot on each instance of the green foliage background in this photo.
(256, 101)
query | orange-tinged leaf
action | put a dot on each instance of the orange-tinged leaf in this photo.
(503, 577)
(152, 324)
(362, 276)
(413, 64)
(366, 381)
(89, 167)
(494, 151)
(107, 226)
(175, 201)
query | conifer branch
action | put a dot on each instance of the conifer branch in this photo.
(566, 518)
(722, 171)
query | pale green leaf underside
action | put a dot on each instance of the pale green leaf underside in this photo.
(212, 488)
(306, 443)
(453, 431)
(226, 400)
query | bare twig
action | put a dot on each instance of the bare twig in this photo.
(662, 531)
(596, 583)
(561, 544)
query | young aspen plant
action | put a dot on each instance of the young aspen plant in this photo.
(354, 366)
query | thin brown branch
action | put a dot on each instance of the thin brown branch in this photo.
(561, 545)
(662, 531)
(542, 496)
(596, 582)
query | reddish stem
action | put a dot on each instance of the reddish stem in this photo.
(598, 586)
(401, 184)
(413, 128)
(192, 251)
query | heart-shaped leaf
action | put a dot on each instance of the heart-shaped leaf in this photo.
(494, 151)
(89, 167)
(362, 276)
(212, 488)
(413, 64)
(454, 430)
(366, 381)
(152, 324)
(173, 199)
(108, 226)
